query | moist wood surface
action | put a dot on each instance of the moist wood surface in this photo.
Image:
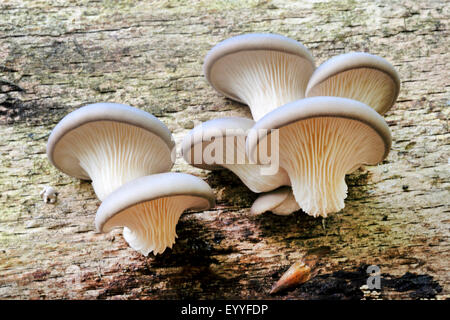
(56, 56)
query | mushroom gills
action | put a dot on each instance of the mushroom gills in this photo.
(263, 79)
(317, 153)
(114, 153)
(251, 174)
(150, 226)
(367, 85)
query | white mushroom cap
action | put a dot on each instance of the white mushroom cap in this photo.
(322, 139)
(263, 71)
(110, 144)
(357, 75)
(280, 202)
(201, 147)
(149, 209)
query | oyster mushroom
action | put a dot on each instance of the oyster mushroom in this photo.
(110, 144)
(263, 71)
(359, 76)
(220, 143)
(321, 139)
(149, 209)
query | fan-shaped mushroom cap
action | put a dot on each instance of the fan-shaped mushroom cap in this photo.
(359, 76)
(280, 202)
(220, 143)
(110, 144)
(322, 139)
(264, 71)
(149, 208)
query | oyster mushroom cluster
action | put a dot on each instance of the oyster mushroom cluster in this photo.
(127, 153)
(317, 124)
(311, 126)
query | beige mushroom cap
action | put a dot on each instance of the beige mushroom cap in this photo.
(316, 107)
(110, 144)
(357, 75)
(251, 42)
(264, 71)
(321, 139)
(99, 113)
(150, 207)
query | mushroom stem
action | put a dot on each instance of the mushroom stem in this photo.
(280, 202)
(317, 153)
(151, 226)
(264, 80)
(288, 206)
(115, 153)
(250, 175)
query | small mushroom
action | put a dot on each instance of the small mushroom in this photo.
(263, 71)
(149, 209)
(110, 144)
(280, 202)
(49, 194)
(321, 139)
(220, 143)
(357, 75)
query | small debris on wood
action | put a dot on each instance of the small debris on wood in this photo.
(31, 136)
(32, 224)
(298, 273)
(49, 194)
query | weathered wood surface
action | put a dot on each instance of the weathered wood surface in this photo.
(56, 56)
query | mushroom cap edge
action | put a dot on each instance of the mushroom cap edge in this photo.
(252, 42)
(106, 111)
(153, 187)
(319, 106)
(354, 60)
